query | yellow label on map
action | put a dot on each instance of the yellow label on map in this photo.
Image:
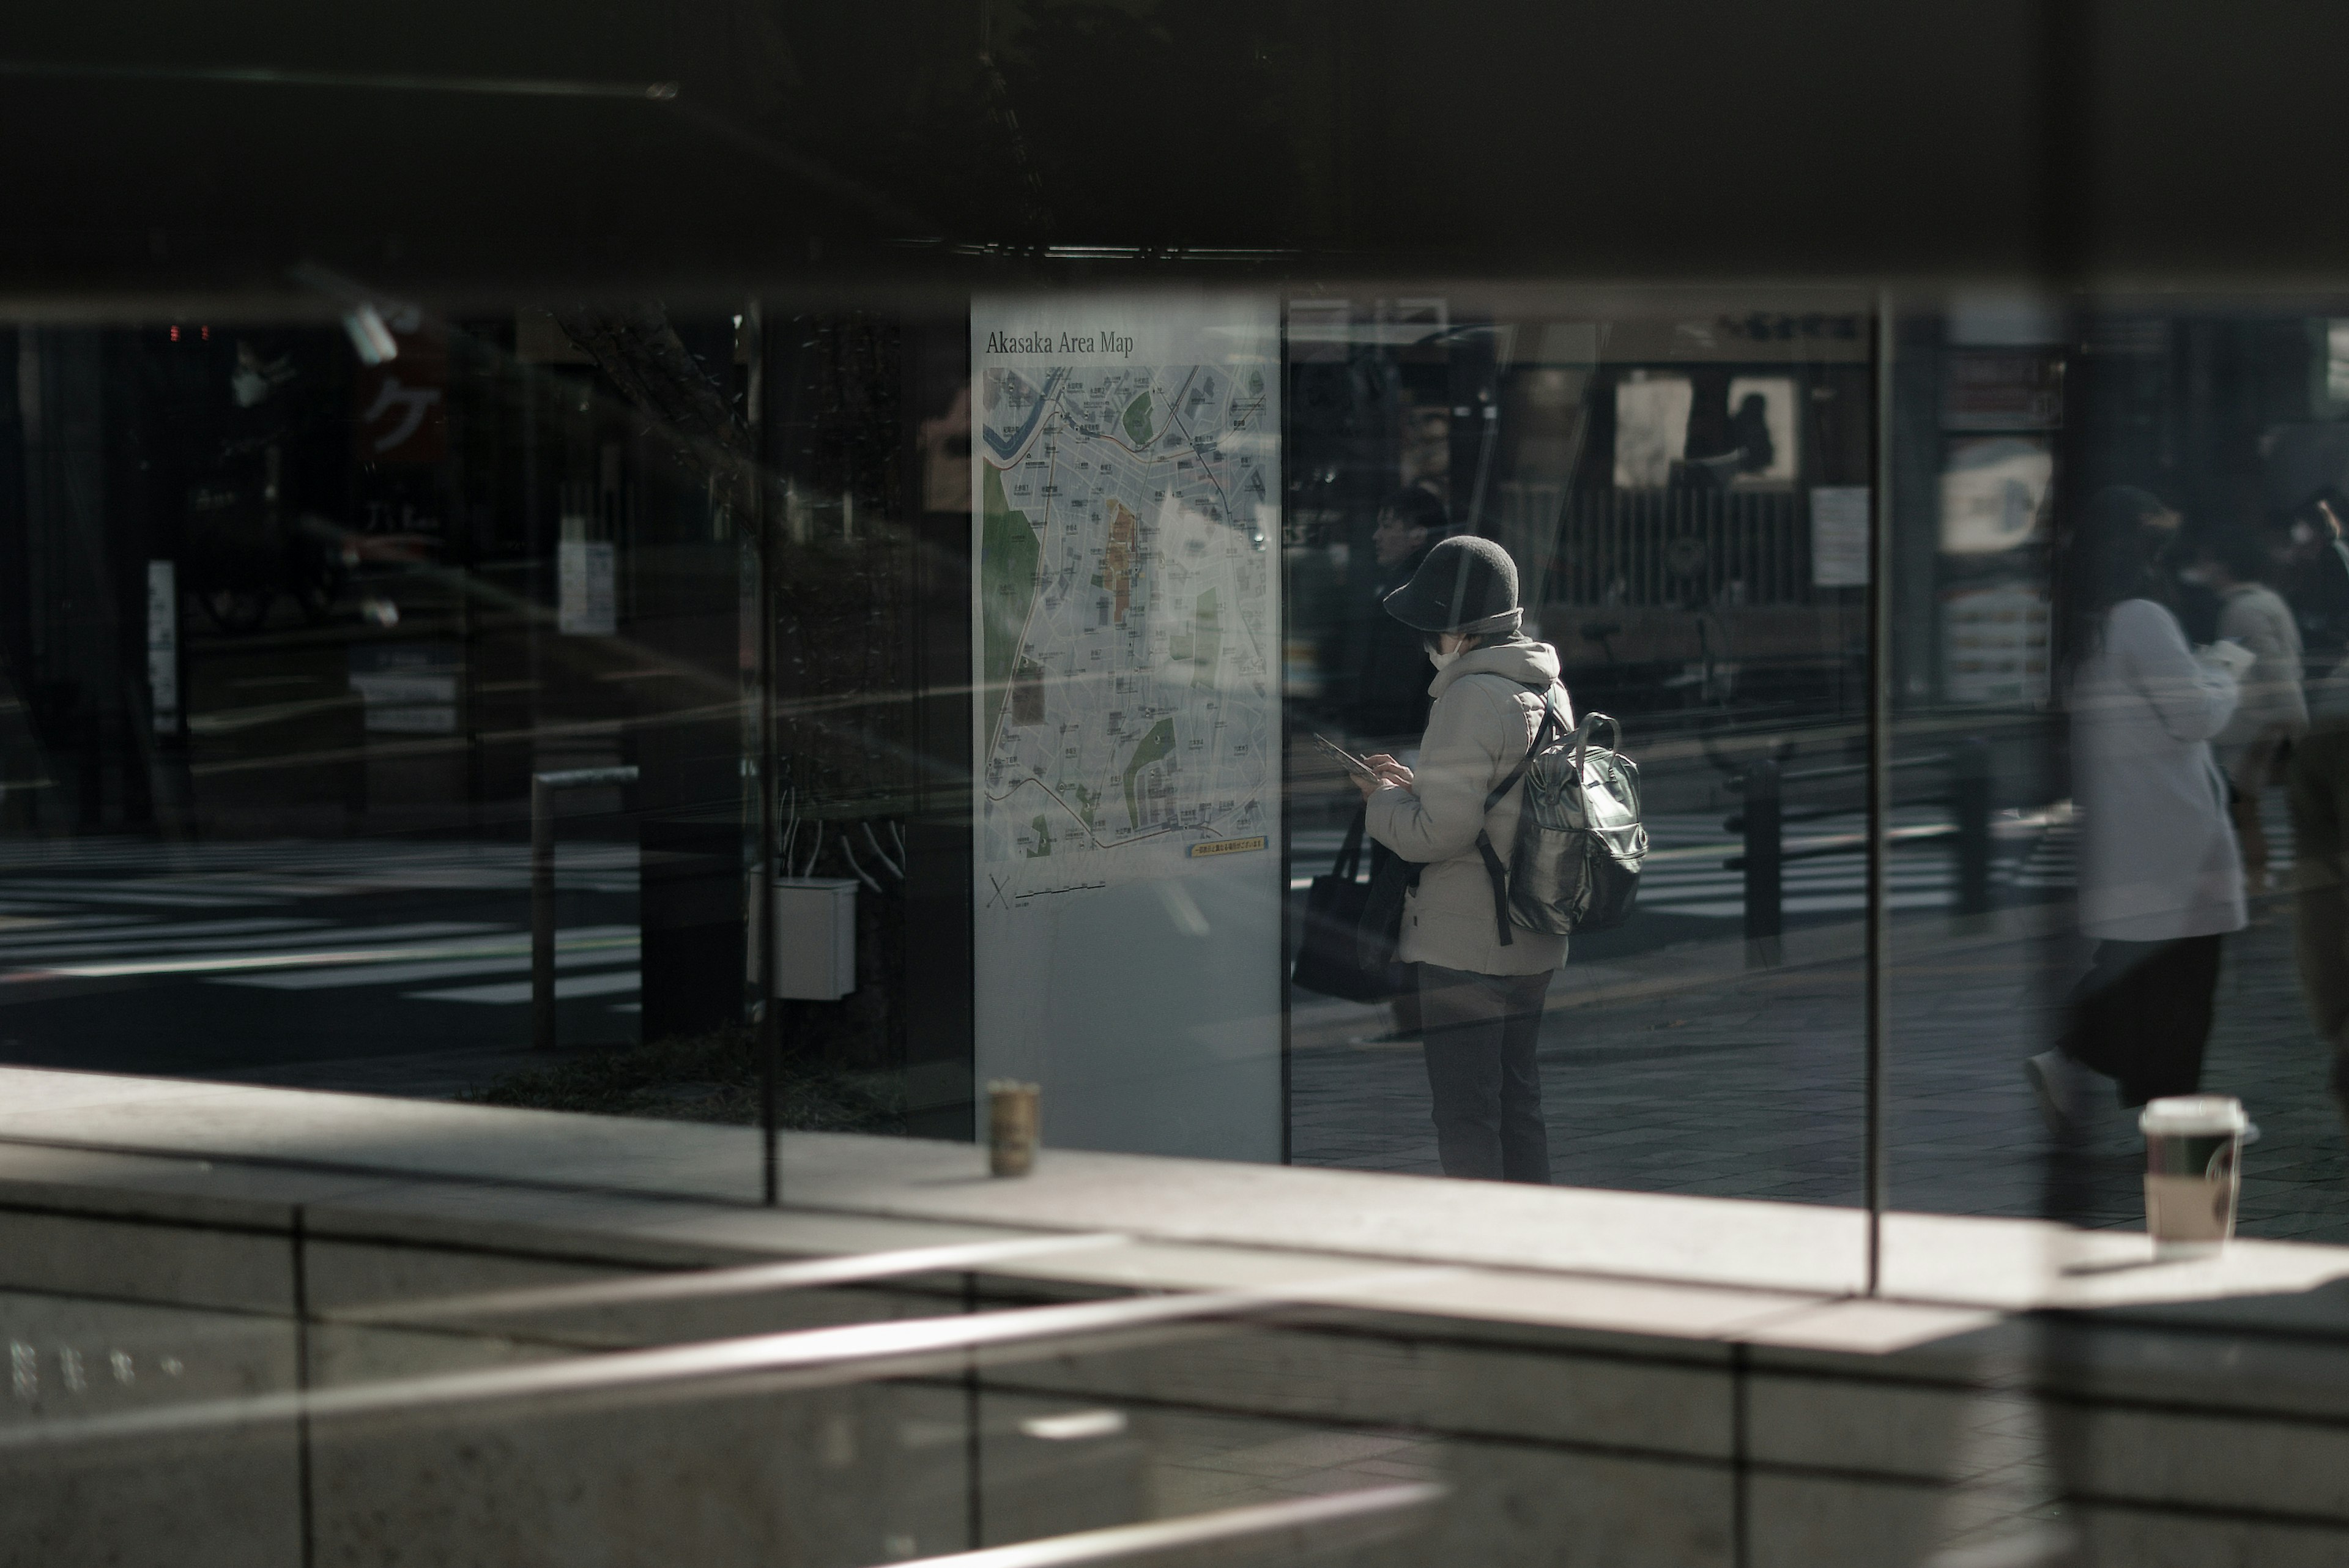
(1226, 847)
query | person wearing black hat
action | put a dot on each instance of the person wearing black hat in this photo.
(1480, 1002)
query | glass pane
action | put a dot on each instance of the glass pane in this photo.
(2116, 537)
(1681, 482)
(375, 688)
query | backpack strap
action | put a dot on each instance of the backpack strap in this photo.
(1495, 872)
(1541, 732)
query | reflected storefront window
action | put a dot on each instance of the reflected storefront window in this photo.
(320, 627)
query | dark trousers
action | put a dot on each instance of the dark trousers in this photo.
(1479, 1033)
(2141, 1016)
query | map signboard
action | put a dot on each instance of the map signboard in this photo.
(1126, 727)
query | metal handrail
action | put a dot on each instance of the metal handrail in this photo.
(1763, 818)
(1853, 770)
(1852, 844)
(1736, 822)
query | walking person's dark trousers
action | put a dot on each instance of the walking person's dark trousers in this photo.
(1480, 1032)
(2141, 1016)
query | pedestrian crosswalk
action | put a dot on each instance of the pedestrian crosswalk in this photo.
(499, 952)
(1686, 875)
(2048, 865)
(2031, 858)
(266, 917)
(114, 909)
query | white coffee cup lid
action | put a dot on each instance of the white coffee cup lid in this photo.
(2194, 1116)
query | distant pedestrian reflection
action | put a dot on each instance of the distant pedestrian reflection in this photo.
(2160, 877)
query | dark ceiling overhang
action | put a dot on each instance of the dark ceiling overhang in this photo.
(532, 148)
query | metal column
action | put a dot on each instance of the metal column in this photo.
(1880, 782)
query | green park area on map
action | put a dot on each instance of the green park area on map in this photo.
(1007, 556)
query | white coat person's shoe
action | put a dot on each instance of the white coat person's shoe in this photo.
(2058, 1083)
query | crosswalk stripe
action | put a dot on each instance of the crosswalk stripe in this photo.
(66, 891)
(565, 957)
(157, 939)
(1731, 908)
(228, 874)
(59, 934)
(41, 927)
(519, 991)
(1799, 872)
(453, 947)
(195, 857)
(159, 943)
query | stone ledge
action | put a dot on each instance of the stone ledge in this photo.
(667, 1194)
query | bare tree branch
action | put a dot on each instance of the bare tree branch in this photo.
(636, 347)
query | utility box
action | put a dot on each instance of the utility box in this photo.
(815, 937)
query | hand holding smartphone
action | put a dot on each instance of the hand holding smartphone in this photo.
(1347, 757)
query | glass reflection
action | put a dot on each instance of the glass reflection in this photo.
(317, 625)
(1679, 485)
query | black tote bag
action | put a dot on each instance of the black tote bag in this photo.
(1351, 926)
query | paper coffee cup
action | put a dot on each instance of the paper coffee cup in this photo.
(1013, 1126)
(2193, 1156)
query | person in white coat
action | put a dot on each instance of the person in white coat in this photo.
(1482, 982)
(2160, 881)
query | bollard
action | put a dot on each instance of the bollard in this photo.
(1764, 919)
(542, 887)
(1970, 801)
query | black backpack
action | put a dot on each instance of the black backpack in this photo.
(1575, 864)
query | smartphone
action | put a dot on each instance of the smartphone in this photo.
(1347, 757)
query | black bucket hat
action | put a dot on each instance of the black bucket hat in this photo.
(1465, 585)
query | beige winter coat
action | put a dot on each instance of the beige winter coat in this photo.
(2271, 701)
(2158, 859)
(1485, 717)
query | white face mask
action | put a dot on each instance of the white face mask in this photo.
(1438, 657)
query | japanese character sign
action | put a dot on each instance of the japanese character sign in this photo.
(402, 404)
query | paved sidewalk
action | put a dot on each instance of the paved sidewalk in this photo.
(1749, 1083)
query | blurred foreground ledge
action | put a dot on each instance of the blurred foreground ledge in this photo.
(361, 1297)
